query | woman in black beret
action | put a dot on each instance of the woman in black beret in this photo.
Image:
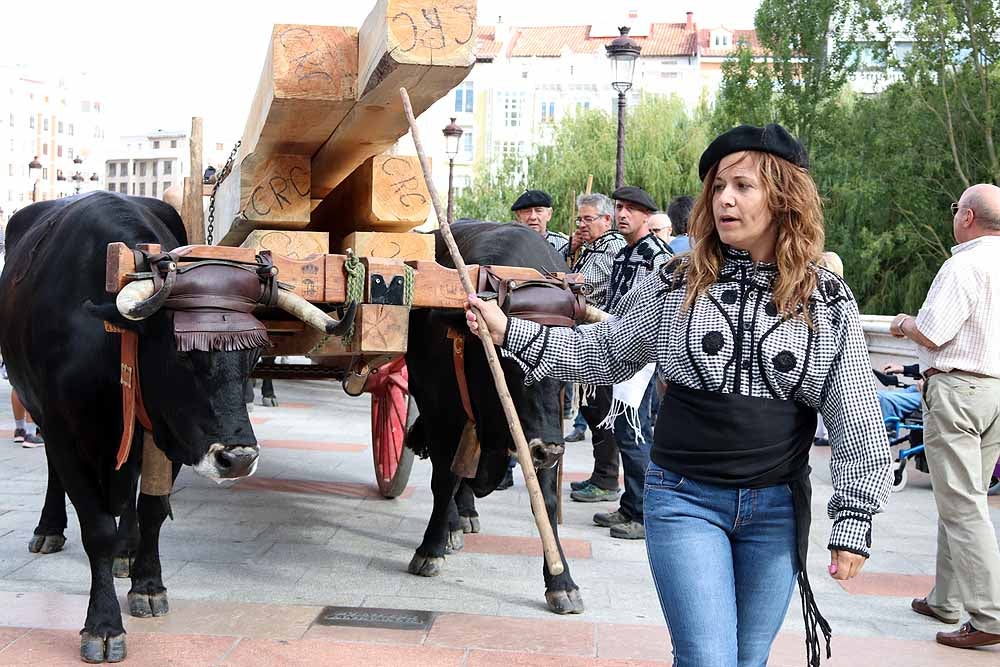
(751, 339)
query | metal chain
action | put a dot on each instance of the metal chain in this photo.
(219, 177)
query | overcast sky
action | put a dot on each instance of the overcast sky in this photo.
(157, 69)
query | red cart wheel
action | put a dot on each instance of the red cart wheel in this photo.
(393, 413)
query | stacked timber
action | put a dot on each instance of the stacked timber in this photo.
(326, 109)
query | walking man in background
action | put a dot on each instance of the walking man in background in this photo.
(958, 335)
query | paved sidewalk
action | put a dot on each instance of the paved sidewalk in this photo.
(249, 567)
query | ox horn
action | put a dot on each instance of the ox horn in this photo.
(139, 299)
(295, 305)
(592, 314)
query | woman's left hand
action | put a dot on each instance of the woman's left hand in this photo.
(845, 565)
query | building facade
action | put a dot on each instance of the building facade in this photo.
(59, 119)
(527, 79)
(145, 165)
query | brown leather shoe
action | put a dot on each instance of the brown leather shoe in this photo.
(921, 606)
(967, 637)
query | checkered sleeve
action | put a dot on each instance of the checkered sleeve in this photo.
(597, 272)
(860, 458)
(949, 303)
(598, 354)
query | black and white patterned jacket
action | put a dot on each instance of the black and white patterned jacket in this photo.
(595, 264)
(558, 240)
(632, 264)
(733, 341)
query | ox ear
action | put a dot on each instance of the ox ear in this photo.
(109, 312)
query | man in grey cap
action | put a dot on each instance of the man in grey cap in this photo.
(645, 254)
(534, 209)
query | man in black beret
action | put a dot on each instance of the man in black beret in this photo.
(534, 209)
(772, 139)
(644, 254)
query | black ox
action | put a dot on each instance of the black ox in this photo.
(66, 369)
(437, 431)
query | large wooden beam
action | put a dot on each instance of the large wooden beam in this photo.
(307, 87)
(263, 191)
(404, 246)
(428, 47)
(386, 193)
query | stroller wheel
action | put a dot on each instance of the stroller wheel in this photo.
(899, 477)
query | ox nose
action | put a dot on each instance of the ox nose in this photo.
(545, 454)
(235, 461)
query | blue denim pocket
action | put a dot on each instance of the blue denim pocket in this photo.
(661, 478)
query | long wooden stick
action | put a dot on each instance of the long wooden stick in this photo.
(553, 560)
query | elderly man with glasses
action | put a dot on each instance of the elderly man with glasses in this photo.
(600, 245)
(957, 333)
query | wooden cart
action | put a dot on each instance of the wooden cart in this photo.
(310, 181)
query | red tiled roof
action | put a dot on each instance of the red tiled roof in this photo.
(665, 39)
(486, 44)
(706, 49)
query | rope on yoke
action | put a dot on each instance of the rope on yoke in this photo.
(408, 279)
(355, 292)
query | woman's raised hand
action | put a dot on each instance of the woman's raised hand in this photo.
(496, 321)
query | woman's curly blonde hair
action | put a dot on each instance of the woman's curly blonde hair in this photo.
(795, 208)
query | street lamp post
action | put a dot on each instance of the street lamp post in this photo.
(77, 177)
(34, 173)
(623, 52)
(452, 133)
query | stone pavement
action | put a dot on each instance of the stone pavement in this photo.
(249, 566)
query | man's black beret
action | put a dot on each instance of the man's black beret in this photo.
(635, 195)
(531, 199)
(772, 139)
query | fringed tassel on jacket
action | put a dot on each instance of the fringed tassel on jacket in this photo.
(812, 617)
(228, 341)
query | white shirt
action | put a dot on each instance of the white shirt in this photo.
(961, 314)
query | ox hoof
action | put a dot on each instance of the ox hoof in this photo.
(96, 649)
(121, 568)
(425, 566)
(564, 602)
(46, 544)
(142, 605)
(455, 541)
(269, 401)
(470, 524)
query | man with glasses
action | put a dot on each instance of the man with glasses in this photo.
(600, 245)
(534, 209)
(659, 224)
(957, 333)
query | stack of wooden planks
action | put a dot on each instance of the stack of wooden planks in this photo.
(326, 109)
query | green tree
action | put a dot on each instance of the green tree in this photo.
(662, 145)
(747, 94)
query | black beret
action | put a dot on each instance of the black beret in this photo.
(772, 139)
(635, 195)
(532, 198)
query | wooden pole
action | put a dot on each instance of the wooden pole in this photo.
(552, 558)
(590, 183)
(192, 212)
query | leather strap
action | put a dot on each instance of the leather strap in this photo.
(458, 358)
(132, 406)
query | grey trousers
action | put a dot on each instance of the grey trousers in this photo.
(962, 438)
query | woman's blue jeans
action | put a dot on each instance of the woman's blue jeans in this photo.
(724, 562)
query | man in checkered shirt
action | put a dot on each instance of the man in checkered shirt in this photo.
(958, 334)
(601, 244)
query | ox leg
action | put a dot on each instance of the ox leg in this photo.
(127, 542)
(562, 595)
(443, 524)
(267, 396)
(148, 595)
(468, 517)
(48, 536)
(103, 636)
